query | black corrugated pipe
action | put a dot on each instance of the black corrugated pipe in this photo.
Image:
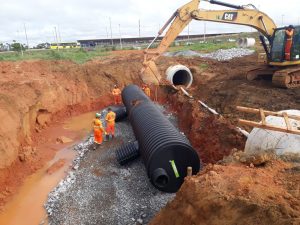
(120, 111)
(127, 152)
(132, 95)
(165, 151)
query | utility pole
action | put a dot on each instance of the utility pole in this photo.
(204, 37)
(112, 42)
(56, 38)
(59, 33)
(26, 36)
(106, 33)
(120, 37)
(189, 33)
(139, 28)
(20, 44)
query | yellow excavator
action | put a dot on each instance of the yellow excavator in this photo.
(285, 73)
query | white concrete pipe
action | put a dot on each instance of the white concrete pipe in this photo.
(283, 143)
(179, 75)
(246, 42)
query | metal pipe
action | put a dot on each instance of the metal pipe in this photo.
(225, 4)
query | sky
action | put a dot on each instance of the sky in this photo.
(88, 19)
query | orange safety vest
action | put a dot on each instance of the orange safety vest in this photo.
(116, 91)
(147, 91)
(98, 124)
(110, 118)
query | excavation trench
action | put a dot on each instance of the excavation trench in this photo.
(26, 207)
(212, 137)
(126, 190)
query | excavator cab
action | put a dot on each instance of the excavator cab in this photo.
(278, 42)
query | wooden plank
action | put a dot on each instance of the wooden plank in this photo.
(189, 171)
(287, 122)
(268, 127)
(251, 110)
(263, 117)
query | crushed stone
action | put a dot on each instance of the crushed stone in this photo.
(219, 55)
(99, 191)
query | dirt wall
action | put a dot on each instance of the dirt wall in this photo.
(32, 92)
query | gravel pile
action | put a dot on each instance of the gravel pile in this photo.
(99, 191)
(220, 55)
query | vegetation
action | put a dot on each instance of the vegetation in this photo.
(75, 55)
(204, 47)
(203, 66)
(17, 47)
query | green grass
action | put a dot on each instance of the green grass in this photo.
(203, 66)
(76, 55)
(204, 47)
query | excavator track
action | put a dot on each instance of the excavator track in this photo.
(281, 77)
(259, 71)
(287, 78)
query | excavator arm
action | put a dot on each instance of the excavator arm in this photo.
(240, 15)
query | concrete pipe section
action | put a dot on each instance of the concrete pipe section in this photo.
(283, 143)
(245, 42)
(179, 75)
(165, 151)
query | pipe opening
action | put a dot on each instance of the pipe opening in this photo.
(161, 181)
(179, 75)
(160, 178)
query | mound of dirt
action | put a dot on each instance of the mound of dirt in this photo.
(237, 194)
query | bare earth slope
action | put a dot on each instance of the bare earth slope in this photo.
(237, 194)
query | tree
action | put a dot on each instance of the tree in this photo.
(16, 46)
(43, 46)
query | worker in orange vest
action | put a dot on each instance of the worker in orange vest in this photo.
(116, 92)
(110, 123)
(98, 131)
(289, 32)
(147, 90)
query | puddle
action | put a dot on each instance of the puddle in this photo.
(81, 123)
(26, 207)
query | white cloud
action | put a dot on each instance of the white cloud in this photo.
(79, 19)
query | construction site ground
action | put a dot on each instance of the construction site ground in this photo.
(35, 95)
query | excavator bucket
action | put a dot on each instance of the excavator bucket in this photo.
(150, 74)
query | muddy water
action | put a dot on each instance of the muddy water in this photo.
(26, 207)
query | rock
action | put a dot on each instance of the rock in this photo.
(220, 55)
(63, 140)
(43, 119)
(76, 167)
(144, 215)
(22, 157)
(139, 221)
